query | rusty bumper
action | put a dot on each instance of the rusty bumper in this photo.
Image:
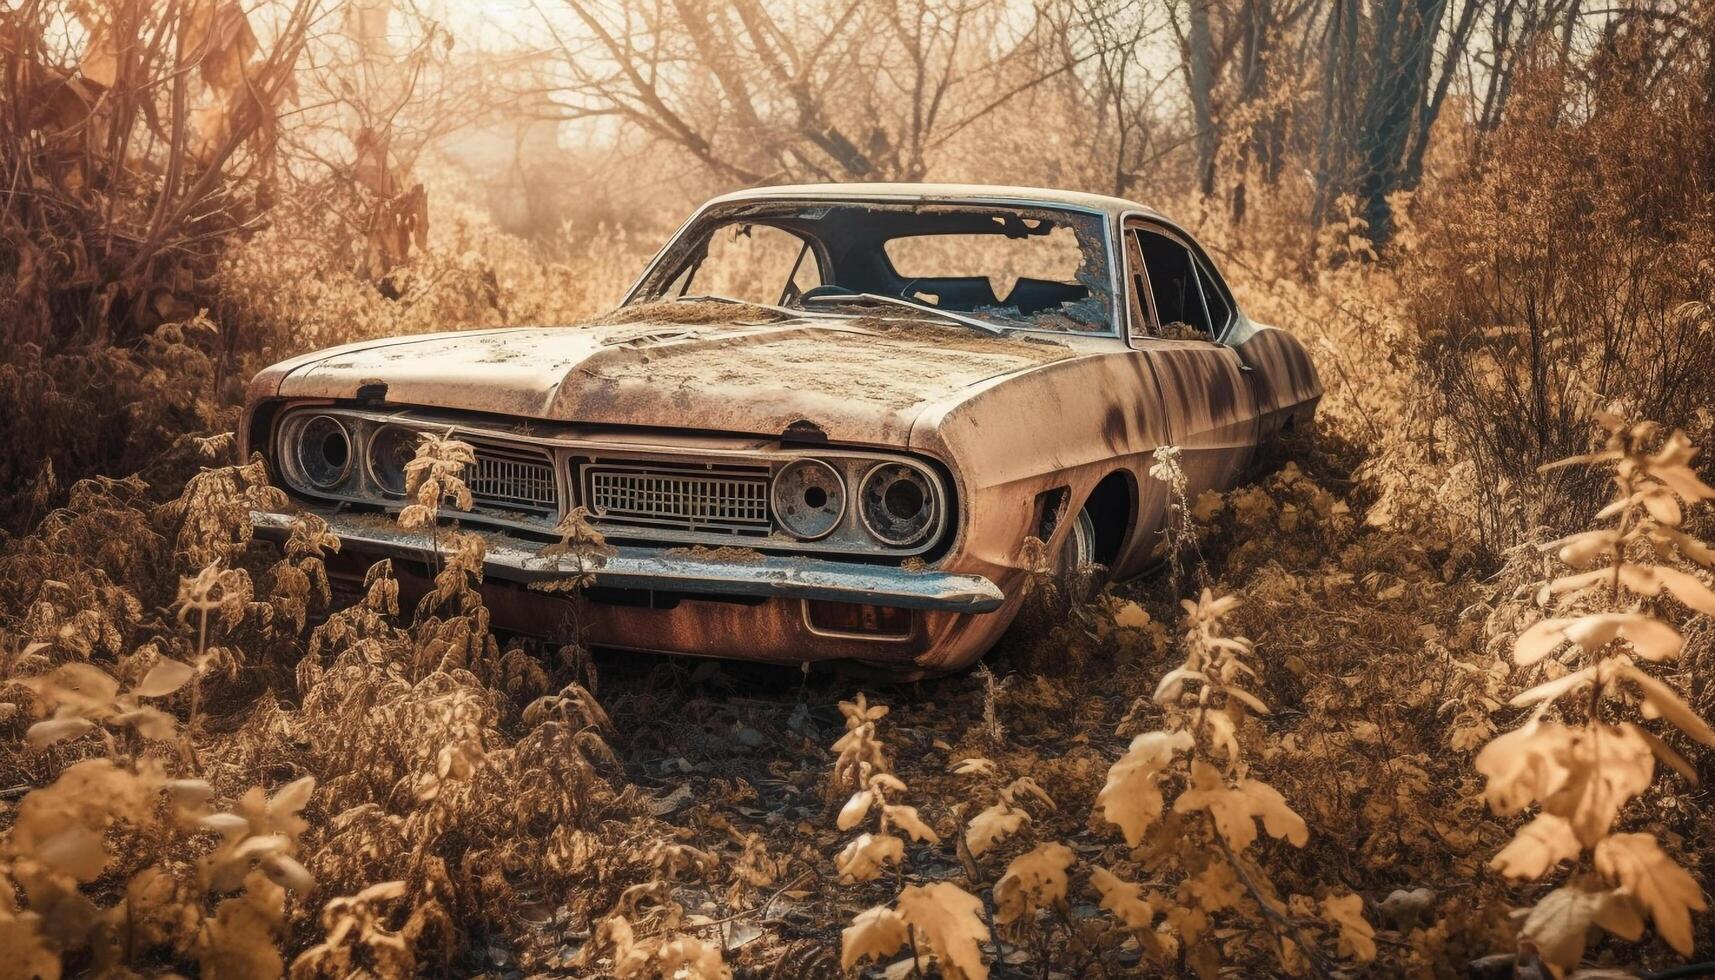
(658, 569)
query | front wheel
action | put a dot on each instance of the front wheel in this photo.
(1080, 547)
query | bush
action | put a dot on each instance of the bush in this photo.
(1573, 268)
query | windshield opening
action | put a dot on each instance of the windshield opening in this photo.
(1018, 267)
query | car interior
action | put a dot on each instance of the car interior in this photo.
(1032, 267)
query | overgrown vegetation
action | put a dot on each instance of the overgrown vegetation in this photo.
(1437, 751)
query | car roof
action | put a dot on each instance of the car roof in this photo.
(948, 193)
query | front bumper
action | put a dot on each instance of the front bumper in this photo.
(670, 570)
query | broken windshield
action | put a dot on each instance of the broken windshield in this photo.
(1021, 267)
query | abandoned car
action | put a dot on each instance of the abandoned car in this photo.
(823, 424)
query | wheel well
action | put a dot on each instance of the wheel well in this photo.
(1113, 508)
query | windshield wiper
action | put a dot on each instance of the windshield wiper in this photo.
(969, 321)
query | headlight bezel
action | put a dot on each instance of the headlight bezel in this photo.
(371, 442)
(831, 477)
(928, 513)
(302, 442)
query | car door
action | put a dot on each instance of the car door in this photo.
(1208, 401)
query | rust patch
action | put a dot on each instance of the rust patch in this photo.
(727, 553)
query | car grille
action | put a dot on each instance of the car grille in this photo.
(513, 479)
(730, 499)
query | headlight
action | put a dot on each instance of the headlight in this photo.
(897, 504)
(390, 448)
(809, 498)
(324, 452)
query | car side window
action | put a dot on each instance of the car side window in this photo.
(752, 262)
(1214, 300)
(1137, 289)
(1174, 283)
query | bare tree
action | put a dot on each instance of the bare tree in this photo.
(135, 138)
(755, 92)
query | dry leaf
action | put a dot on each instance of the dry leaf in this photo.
(1645, 872)
(1537, 847)
(951, 923)
(1357, 936)
(1123, 898)
(1035, 879)
(991, 826)
(874, 933)
(1131, 798)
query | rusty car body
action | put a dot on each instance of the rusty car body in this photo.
(845, 465)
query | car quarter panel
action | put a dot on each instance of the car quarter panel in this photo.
(1066, 424)
(1287, 385)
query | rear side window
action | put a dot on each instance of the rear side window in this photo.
(1214, 300)
(1173, 280)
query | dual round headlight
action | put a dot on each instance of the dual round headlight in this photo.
(324, 452)
(389, 449)
(896, 502)
(809, 498)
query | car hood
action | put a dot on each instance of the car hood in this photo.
(859, 381)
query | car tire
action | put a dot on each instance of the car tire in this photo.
(1080, 547)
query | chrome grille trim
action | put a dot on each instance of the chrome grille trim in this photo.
(513, 479)
(733, 500)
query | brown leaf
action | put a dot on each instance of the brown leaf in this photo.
(1644, 871)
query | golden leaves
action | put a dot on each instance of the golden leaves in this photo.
(951, 922)
(1652, 639)
(167, 676)
(1235, 808)
(944, 917)
(81, 695)
(855, 809)
(434, 476)
(873, 934)
(1357, 938)
(1557, 926)
(1583, 774)
(1537, 847)
(1643, 871)
(1123, 898)
(1035, 879)
(583, 544)
(906, 819)
(993, 825)
(864, 858)
(1132, 798)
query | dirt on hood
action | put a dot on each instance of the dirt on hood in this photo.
(751, 370)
